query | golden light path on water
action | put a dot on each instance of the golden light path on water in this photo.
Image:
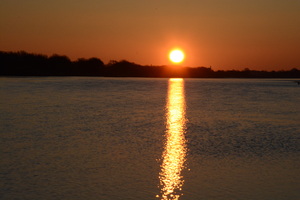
(174, 155)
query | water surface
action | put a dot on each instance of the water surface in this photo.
(114, 138)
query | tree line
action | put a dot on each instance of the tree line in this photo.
(27, 64)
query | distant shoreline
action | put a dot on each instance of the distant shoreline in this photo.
(23, 64)
(296, 80)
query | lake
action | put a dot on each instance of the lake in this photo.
(143, 138)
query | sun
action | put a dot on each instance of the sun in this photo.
(176, 56)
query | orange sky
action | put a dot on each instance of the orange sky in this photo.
(224, 34)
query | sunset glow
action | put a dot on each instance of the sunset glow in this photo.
(259, 35)
(176, 56)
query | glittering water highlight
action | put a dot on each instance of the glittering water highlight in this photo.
(174, 155)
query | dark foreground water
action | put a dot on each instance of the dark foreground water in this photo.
(115, 139)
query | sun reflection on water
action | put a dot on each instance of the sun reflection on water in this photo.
(174, 155)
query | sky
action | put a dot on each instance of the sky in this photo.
(223, 34)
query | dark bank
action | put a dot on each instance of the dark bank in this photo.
(27, 64)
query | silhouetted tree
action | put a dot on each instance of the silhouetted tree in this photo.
(25, 64)
(88, 67)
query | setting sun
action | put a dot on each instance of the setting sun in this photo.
(176, 56)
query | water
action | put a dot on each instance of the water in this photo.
(114, 138)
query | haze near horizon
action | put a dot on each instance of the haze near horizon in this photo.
(228, 34)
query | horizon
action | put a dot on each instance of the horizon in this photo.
(173, 65)
(226, 35)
